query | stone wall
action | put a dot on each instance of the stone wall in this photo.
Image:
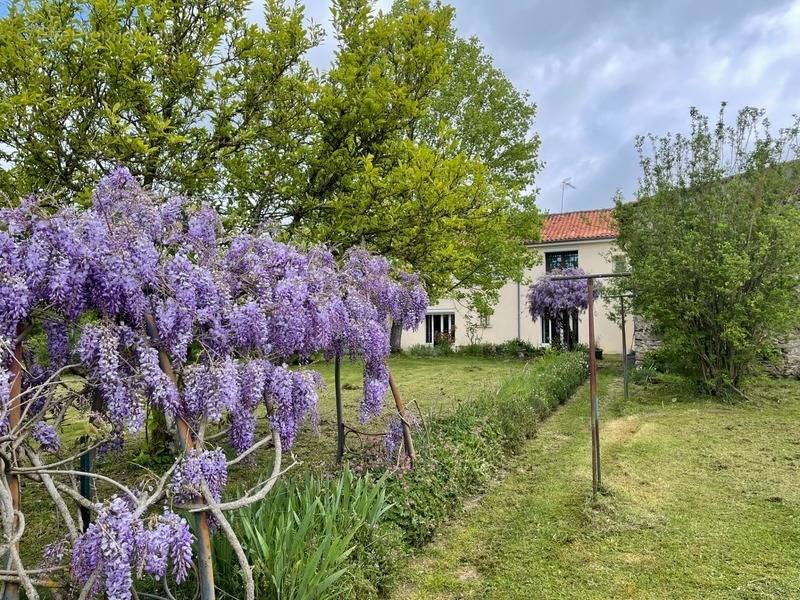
(789, 364)
(644, 338)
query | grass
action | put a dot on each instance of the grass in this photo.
(435, 385)
(701, 501)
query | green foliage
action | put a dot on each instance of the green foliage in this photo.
(412, 143)
(423, 351)
(313, 538)
(391, 162)
(174, 90)
(713, 243)
(459, 453)
(511, 348)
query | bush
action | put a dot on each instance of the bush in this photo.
(510, 349)
(314, 538)
(458, 454)
(712, 244)
(422, 350)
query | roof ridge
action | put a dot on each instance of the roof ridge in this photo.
(575, 212)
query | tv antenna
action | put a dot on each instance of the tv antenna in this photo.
(566, 183)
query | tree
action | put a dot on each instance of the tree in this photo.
(560, 300)
(713, 241)
(408, 158)
(174, 90)
(412, 144)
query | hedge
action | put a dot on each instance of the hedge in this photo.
(459, 453)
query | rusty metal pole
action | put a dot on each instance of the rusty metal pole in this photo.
(14, 415)
(624, 350)
(408, 443)
(337, 376)
(204, 557)
(593, 391)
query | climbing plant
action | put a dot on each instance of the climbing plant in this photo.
(140, 303)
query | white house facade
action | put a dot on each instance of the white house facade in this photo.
(584, 239)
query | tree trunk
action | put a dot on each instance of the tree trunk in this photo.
(395, 336)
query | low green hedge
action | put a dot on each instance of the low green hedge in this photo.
(510, 349)
(457, 454)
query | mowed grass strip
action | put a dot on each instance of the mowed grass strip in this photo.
(702, 501)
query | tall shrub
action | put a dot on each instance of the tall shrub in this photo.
(713, 242)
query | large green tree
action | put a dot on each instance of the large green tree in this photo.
(424, 152)
(173, 89)
(411, 143)
(713, 243)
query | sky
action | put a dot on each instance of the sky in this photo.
(603, 71)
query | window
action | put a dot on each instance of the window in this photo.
(440, 327)
(560, 260)
(619, 264)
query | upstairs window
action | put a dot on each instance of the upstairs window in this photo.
(560, 260)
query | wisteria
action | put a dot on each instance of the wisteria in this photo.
(140, 304)
(370, 297)
(118, 543)
(47, 436)
(548, 296)
(194, 469)
(553, 298)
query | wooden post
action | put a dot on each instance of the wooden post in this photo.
(408, 443)
(596, 482)
(204, 558)
(624, 350)
(11, 591)
(337, 375)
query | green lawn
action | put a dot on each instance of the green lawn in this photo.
(427, 384)
(702, 501)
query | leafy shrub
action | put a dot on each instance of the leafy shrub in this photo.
(511, 349)
(422, 350)
(441, 348)
(313, 538)
(458, 454)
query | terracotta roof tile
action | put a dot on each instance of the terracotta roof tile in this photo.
(579, 225)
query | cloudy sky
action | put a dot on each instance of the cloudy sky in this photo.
(603, 71)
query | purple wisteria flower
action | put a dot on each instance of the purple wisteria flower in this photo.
(548, 297)
(117, 545)
(47, 436)
(229, 312)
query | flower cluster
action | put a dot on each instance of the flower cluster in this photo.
(195, 469)
(46, 435)
(118, 544)
(548, 297)
(371, 296)
(393, 439)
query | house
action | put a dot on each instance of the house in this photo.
(584, 239)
